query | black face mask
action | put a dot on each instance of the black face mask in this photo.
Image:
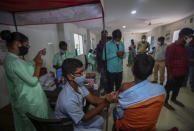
(23, 50)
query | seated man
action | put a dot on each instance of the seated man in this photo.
(70, 101)
(139, 102)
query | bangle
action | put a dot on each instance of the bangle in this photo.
(106, 101)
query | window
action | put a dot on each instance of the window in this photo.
(78, 44)
(175, 35)
(92, 43)
(149, 41)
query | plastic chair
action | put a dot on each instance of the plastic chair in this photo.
(51, 124)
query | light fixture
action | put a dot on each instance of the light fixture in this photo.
(133, 12)
(50, 43)
(124, 27)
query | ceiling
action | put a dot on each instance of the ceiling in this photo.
(156, 12)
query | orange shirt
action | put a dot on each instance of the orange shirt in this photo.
(142, 116)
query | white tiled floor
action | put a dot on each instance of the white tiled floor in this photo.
(182, 118)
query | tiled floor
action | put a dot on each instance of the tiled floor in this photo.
(182, 118)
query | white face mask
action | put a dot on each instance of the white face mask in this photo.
(188, 40)
(117, 43)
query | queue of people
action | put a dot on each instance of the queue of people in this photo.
(138, 103)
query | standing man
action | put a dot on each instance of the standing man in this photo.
(176, 63)
(113, 53)
(159, 56)
(100, 63)
(62, 55)
(143, 46)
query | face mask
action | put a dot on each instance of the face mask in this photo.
(188, 40)
(62, 51)
(23, 50)
(80, 80)
(143, 40)
(117, 43)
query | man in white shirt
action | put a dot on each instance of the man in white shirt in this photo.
(160, 56)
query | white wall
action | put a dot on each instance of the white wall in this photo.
(71, 29)
(94, 37)
(4, 99)
(170, 28)
(39, 37)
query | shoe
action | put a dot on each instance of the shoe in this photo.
(178, 103)
(154, 81)
(174, 129)
(168, 106)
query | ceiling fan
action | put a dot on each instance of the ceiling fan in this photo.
(152, 22)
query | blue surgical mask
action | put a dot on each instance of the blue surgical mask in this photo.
(80, 80)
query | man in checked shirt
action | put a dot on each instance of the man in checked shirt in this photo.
(176, 63)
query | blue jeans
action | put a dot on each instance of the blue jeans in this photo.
(191, 76)
(174, 85)
(114, 79)
(103, 79)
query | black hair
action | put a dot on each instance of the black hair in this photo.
(62, 43)
(70, 65)
(143, 36)
(161, 38)
(109, 38)
(116, 34)
(103, 35)
(143, 66)
(90, 50)
(11, 37)
(185, 32)
(104, 32)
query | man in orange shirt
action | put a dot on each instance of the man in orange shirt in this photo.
(139, 102)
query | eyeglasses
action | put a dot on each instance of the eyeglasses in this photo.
(80, 73)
